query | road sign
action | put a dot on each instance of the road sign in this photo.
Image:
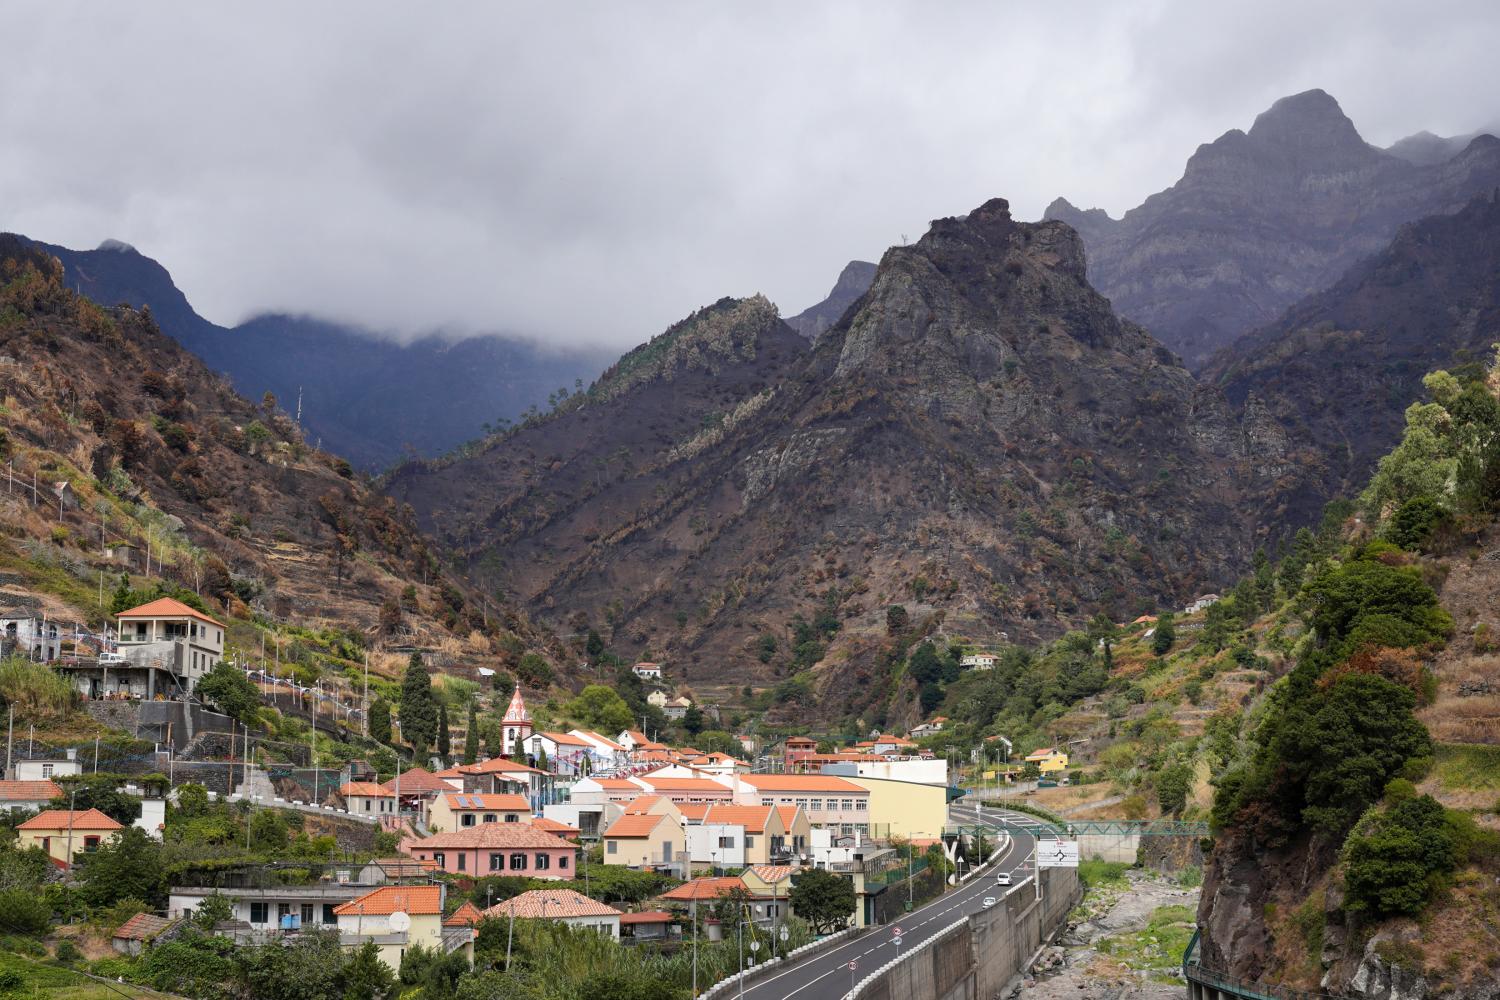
(755, 946)
(1057, 853)
(897, 939)
(896, 931)
(853, 964)
(785, 933)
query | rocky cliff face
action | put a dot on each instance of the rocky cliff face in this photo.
(369, 399)
(1263, 218)
(982, 437)
(1338, 369)
(854, 281)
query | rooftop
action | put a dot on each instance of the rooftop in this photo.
(418, 781)
(801, 783)
(142, 927)
(634, 825)
(463, 800)
(493, 835)
(167, 607)
(63, 819)
(466, 915)
(646, 917)
(369, 789)
(551, 904)
(752, 818)
(28, 791)
(419, 900)
(704, 888)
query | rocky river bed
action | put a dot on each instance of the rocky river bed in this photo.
(1124, 942)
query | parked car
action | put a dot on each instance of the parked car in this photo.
(1003, 878)
(109, 659)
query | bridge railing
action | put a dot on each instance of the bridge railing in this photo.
(1238, 986)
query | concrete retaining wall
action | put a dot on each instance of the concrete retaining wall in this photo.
(1109, 846)
(976, 957)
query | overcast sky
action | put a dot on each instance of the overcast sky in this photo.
(589, 173)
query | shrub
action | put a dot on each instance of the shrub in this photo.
(67, 952)
(1392, 867)
(22, 912)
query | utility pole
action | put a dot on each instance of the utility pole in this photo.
(96, 754)
(367, 693)
(72, 798)
(10, 738)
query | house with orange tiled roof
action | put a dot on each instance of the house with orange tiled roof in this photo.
(498, 775)
(63, 834)
(685, 789)
(564, 906)
(368, 798)
(771, 885)
(645, 840)
(168, 646)
(497, 849)
(703, 890)
(556, 828)
(401, 917)
(634, 741)
(733, 836)
(460, 810)
(467, 915)
(597, 791)
(15, 795)
(567, 755)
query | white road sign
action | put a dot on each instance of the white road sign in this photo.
(1057, 853)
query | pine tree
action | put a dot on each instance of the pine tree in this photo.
(380, 721)
(444, 737)
(471, 737)
(419, 716)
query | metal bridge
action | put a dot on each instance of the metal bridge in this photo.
(1095, 827)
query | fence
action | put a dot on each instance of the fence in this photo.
(1206, 984)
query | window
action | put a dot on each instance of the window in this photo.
(816, 804)
(801, 803)
(512, 818)
(848, 804)
(726, 841)
(518, 862)
(543, 861)
(767, 802)
(258, 913)
(283, 910)
(329, 917)
(47, 770)
(462, 860)
(441, 859)
(749, 840)
(90, 843)
(307, 914)
(861, 805)
(562, 861)
(612, 847)
(489, 817)
(467, 819)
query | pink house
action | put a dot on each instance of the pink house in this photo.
(497, 849)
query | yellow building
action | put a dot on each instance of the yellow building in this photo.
(1048, 760)
(374, 917)
(643, 840)
(910, 809)
(56, 829)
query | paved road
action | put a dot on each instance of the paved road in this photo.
(826, 975)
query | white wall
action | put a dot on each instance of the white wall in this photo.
(703, 843)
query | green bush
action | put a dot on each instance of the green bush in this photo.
(67, 952)
(23, 912)
(1399, 858)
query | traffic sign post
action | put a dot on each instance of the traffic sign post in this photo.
(853, 964)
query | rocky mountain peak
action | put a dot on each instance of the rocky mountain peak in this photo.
(1311, 117)
(854, 280)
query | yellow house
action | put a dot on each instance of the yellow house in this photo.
(1048, 760)
(374, 917)
(643, 840)
(905, 808)
(452, 811)
(55, 830)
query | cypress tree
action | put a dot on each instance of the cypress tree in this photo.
(471, 737)
(444, 737)
(419, 715)
(380, 721)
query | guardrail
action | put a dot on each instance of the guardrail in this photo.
(1105, 827)
(756, 972)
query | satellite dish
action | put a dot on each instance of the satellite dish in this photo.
(400, 921)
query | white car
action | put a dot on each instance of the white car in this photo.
(1003, 878)
(107, 659)
(989, 901)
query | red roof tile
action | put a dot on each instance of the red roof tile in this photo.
(752, 818)
(82, 819)
(421, 900)
(464, 801)
(551, 904)
(142, 927)
(491, 835)
(466, 915)
(646, 917)
(418, 781)
(28, 791)
(366, 789)
(167, 607)
(634, 825)
(704, 888)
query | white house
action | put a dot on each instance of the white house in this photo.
(167, 647)
(657, 698)
(26, 632)
(1201, 603)
(647, 671)
(721, 845)
(368, 798)
(608, 754)
(47, 768)
(566, 754)
(978, 661)
(677, 707)
(16, 795)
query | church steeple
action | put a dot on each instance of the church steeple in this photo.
(516, 726)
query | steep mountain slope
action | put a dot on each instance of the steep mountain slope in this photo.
(369, 399)
(1339, 368)
(158, 452)
(854, 281)
(1262, 218)
(982, 437)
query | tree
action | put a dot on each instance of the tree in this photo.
(471, 736)
(896, 619)
(310, 968)
(1393, 865)
(419, 717)
(231, 692)
(1165, 635)
(380, 721)
(594, 646)
(366, 976)
(390, 615)
(492, 745)
(129, 866)
(692, 721)
(214, 910)
(601, 708)
(444, 737)
(823, 899)
(101, 792)
(1172, 787)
